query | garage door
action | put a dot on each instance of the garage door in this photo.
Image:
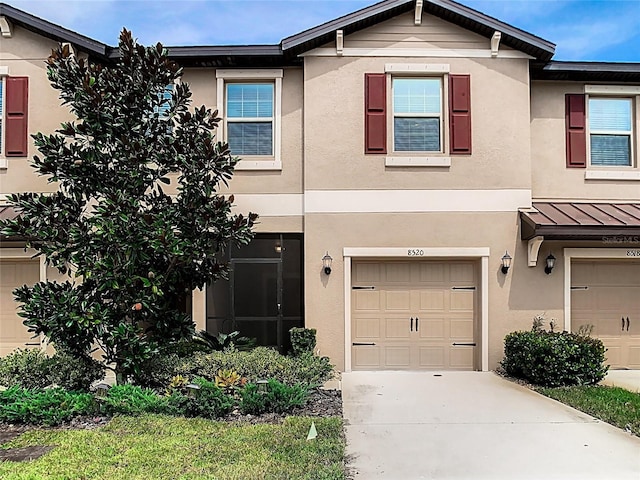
(413, 315)
(13, 274)
(607, 296)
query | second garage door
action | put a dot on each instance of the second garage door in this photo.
(413, 315)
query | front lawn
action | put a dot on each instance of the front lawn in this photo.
(159, 447)
(613, 405)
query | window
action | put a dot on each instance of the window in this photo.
(250, 118)
(14, 94)
(1, 116)
(249, 101)
(417, 114)
(610, 131)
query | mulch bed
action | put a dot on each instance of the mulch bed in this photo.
(321, 403)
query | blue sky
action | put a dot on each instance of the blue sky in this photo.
(594, 30)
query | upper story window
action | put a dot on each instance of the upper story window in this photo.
(417, 114)
(249, 109)
(610, 131)
(14, 106)
(249, 101)
(1, 116)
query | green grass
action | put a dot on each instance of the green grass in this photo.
(613, 405)
(160, 447)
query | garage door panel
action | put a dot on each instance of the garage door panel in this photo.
(397, 327)
(462, 273)
(367, 300)
(461, 329)
(397, 300)
(432, 300)
(612, 295)
(420, 291)
(397, 357)
(432, 328)
(432, 273)
(461, 358)
(366, 357)
(366, 328)
(432, 357)
(397, 272)
(462, 300)
(14, 274)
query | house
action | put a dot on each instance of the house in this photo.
(453, 178)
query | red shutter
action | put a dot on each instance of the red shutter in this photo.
(460, 114)
(575, 124)
(16, 101)
(375, 113)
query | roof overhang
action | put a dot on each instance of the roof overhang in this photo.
(581, 221)
(448, 10)
(587, 71)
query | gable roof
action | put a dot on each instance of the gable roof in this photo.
(53, 31)
(448, 10)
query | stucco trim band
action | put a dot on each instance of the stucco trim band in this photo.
(415, 52)
(428, 252)
(400, 201)
(270, 204)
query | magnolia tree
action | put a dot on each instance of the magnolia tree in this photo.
(136, 222)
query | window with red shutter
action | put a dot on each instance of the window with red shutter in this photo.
(460, 114)
(15, 116)
(375, 113)
(576, 135)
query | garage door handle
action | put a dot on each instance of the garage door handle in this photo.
(464, 344)
(412, 324)
(417, 320)
(623, 324)
(360, 344)
(627, 324)
(33, 344)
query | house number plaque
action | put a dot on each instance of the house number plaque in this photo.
(416, 252)
(633, 253)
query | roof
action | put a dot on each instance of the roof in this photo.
(573, 220)
(587, 71)
(448, 10)
(53, 31)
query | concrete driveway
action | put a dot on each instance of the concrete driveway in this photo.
(474, 425)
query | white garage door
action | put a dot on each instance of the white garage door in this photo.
(413, 315)
(607, 296)
(13, 274)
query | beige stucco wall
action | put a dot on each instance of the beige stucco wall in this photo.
(25, 54)
(513, 298)
(551, 179)
(334, 89)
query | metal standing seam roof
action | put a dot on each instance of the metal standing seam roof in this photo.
(576, 219)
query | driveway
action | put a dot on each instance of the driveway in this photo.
(474, 425)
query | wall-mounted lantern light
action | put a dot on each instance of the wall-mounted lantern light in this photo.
(326, 263)
(506, 262)
(550, 263)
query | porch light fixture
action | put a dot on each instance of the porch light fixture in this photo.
(550, 263)
(506, 262)
(326, 263)
(278, 248)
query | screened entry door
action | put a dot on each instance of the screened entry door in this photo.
(256, 299)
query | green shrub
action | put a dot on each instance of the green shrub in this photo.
(259, 363)
(208, 402)
(554, 359)
(25, 368)
(132, 400)
(278, 398)
(158, 371)
(43, 407)
(35, 369)
(303, 340)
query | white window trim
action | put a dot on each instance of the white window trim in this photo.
(419, 159)
(4, 72)
(613, 172)
(251, 162)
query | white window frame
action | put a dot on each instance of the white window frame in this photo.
(614, 172)
(248, 76)
(4, 72)
(419, 158)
